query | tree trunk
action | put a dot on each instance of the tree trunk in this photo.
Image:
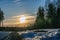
(2, 23)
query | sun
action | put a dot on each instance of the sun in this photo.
(22, 19)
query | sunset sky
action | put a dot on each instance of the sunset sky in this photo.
(13, 9)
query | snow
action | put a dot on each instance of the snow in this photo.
(52, 34)
(41, 35)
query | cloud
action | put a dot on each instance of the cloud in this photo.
(11, 21)
(16, 0)
(30, 17)
(26, 15)
(16, 16)
(15, 19)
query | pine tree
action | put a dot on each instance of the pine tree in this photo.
(1, 17)
(40, 18)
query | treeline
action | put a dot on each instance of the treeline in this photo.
(13, 29)
(48, 17)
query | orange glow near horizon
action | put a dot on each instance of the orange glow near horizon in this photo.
(20, 21)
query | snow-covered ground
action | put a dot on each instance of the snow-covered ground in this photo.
(33, 35)
(39, 34)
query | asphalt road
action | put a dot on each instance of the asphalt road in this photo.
(10, 36)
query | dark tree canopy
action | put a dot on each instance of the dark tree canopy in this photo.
(53, 17)
(40, 18)
(1, 16)
(40, 12)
